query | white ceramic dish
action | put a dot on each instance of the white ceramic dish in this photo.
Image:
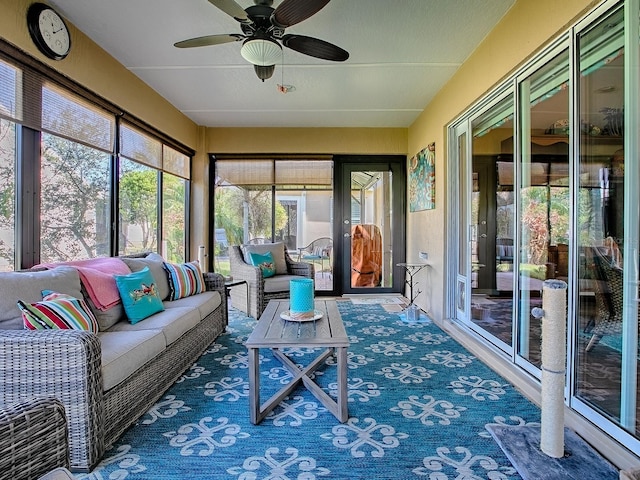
(317, 314)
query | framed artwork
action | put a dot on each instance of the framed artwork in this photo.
(422, 179)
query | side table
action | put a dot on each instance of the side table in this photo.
(229, 284)
(411, 270)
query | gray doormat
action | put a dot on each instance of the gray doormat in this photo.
(521, 444)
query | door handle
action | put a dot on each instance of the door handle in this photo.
(346, 235)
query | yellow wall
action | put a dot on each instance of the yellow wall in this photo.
(525, 29)
(387, 141)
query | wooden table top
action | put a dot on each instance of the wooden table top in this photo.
(272, 331)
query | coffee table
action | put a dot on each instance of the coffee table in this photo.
(273, 332)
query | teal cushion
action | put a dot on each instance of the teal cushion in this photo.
(139, 294)
(265, 262)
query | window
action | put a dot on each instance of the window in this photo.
(75, 196)
(58, 151)
(7, 194)
(265, 199)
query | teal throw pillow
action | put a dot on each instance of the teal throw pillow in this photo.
(265, 262)
(139, 294)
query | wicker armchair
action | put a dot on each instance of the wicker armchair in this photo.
(262, 290)
(608, 295)
(33, 439)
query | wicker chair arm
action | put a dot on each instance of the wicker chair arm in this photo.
(215, 281)
(240, 270)
(304, 269)
(33, 438)
(63, 364)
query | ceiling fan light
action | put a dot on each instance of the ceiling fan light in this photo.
(260, 51)
(264, 72)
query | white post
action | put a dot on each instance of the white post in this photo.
(202, 258)
(554, 353)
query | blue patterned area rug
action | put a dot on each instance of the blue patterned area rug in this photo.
(418, 407)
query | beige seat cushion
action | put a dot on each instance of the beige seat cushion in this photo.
(279, 283)
(124, 352)
(205, 302)
(173, 323)
(276, 249)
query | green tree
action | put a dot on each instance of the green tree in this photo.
(74, 200)
(138, 205)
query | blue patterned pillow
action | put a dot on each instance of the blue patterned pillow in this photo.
(139, 294)
(265, 262)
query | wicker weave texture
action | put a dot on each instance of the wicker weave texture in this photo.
(127, 401)
(59, 364)
(67, 365)
(33, 438)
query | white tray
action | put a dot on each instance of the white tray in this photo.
(317, 314)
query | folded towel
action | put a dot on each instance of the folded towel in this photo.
(96, 275)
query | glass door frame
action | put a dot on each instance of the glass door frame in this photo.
(343, 166)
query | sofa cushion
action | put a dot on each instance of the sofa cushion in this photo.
(154, 262)
(185, 279)
(276, 249)
(173, 323)
(125, 352)
(139, 294)
(106, 318)
(206, 302)
(58, 311)
(265, 262)
(279, 283)
(28, 285)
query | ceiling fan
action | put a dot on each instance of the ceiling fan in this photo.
(263, 30)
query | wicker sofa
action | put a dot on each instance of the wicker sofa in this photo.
(105, 381)
(33, 439)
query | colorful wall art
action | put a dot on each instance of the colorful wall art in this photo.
(422, 179)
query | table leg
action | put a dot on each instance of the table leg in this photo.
(341, 358)
(254, 384)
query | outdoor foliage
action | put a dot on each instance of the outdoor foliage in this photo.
(232, 203)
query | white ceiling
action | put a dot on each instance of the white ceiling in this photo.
(401, 53)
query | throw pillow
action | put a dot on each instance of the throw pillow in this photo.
(276, 249)
(265, 262)
(154, 262)
(139, 295)
(185, 279)
(58, 311)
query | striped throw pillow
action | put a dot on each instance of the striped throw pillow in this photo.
(185, 279)
(58, 311)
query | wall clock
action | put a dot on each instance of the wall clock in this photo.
(48, 31)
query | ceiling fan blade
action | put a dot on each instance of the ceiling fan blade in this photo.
(290, 12)
(315, 47)
(210, 40)
(231, 8)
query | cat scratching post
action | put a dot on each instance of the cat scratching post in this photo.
(554, 353)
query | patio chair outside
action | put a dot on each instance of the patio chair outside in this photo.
(320, 249)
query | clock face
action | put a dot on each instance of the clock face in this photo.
(54, 32)
(48, 30)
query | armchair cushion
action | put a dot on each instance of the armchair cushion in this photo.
(277, 251)
(265, 262)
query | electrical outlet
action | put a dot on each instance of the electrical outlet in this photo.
(423, 255)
